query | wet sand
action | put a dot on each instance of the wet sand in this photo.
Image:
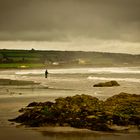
(22, 134)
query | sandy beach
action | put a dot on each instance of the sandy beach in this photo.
(61, 83)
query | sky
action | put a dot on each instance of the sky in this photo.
(87, 25)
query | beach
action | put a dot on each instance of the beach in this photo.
(61, 82)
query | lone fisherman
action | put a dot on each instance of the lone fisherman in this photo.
(46, 73)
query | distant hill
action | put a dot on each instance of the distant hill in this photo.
(41, 59)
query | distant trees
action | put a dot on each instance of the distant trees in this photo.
(5, 58)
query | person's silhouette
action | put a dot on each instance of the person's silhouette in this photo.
(46, 73)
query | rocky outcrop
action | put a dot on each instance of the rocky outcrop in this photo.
(107, 84)
(84, 111)
(124, 109)
(16, 82)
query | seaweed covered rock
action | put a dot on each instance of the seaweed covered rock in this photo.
(73, 111)
(84, 111)
(107, 84)
(17, 82)
(124, 109)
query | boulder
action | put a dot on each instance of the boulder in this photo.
(33, 104)
(107, 84)
(124, 109)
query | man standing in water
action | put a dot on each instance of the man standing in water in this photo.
(46, 73)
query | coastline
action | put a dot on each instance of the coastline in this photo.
(11, 103)
(14, 131)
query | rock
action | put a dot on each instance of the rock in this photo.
(124, 109)
(84, 111)
(16, 82)
(107, 84)
(119, 128)
(33, 104)
(91, 117)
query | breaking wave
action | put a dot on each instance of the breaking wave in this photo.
(105, 70)
(117, 79)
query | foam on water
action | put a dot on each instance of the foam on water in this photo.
(28, 72)
(123, 70)
(105, 70)
(118, 79)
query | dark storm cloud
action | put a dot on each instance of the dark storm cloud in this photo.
(64, 19)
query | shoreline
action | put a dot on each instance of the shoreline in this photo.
(43, 133)
(9, 107)
(69, 66)
(35, 134)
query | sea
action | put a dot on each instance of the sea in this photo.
(71, 81)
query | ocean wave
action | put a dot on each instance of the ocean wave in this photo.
(117, 79)
(123, 70)
(28, 72)
(105, 70)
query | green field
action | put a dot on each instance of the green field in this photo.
(41, 59)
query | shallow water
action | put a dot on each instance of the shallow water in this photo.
(62, 83)
(67, 82)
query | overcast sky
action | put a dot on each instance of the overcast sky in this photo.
(96, 22)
